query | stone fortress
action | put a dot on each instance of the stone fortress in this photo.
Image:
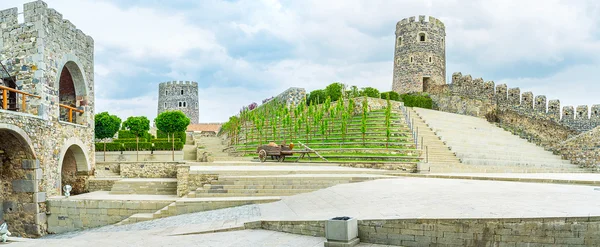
(179, 95)
(46, 113)
(420, 54)
(46, 141)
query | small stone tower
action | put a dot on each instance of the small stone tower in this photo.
(420, 54)
(179, 96)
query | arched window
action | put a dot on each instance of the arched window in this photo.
(180, 103)
(422, 37)
(184, 104)
(181, 91)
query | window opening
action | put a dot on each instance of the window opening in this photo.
(422, 37)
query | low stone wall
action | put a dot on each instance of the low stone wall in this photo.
(101, 184)
(308, 228)
(583, 149)
(67, 215)
(405, 167)
(143, 156)
(149, 169)
(482, 232)
(187, 182)
(107, 168)
(569, 231)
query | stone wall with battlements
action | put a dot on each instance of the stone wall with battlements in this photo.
(37, 53)
(420, 54)
(533, 117)
(179, 95)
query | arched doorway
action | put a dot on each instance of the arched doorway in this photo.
(72, 92)
(74, 170)
(18, 181)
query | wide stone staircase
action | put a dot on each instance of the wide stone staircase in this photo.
(482, 147)
(145, 186)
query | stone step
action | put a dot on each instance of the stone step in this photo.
(479, 143)
(145, 186)
(261, 186)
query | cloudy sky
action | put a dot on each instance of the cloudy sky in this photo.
(242, 51)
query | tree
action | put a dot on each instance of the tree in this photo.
(137, 126)
(370, 92)
(353, 92)
(106, 126)
(392, 95)
(334, 91)
(171, 122)
(316, 97)
(363, 126)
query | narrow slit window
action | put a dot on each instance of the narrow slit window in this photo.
(411, 59)
(184, 104)
(180, 104)
(166, 92)
(181, 91)
(399, 41)
(429, 59)
(165, 105)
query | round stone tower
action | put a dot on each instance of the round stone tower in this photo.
(420, 54)
(181, 96)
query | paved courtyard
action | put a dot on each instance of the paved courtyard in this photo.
(380, 199)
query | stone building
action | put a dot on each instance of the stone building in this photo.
(420, 54)
(46, 113)
(181, 96)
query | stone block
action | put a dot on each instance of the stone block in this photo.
(41, 218)
(30, 164)
(331, 243)
(32, 229)
(22, 185)
(39, 197)
(341, 230)
(9, 206)
(31, 208)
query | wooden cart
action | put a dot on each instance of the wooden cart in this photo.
(280, 152)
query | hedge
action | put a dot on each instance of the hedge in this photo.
(165, 140)
(110, 146)
(167, 146)
(393, 95)
(121, 140)
(417, 100)
(142, 146)
(126, 134)
(181, 135)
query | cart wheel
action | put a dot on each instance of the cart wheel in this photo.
(262, 155)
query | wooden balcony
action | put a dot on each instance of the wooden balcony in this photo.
(9, 98)
(10, 103)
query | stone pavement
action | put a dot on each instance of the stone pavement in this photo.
(151, 239)
(396, 198)
(556, 178)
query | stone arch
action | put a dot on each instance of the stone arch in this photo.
(73, 166)
(21, 135)
(72, 73)
(19, 173)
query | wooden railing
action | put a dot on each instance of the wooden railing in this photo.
(5, 91)
(71, 110)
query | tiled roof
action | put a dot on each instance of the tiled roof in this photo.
(204, 127)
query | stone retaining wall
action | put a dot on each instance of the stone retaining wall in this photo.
(149, 169)
(411, 168)
(583, 150)
(101, 184)
(565, 231)
(187, 182)
(142, 156)
(67, 215)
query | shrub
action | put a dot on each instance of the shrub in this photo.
(370, 92)
(121, 140)
(167, 146)
(126, 134)
(393, 95)
(182, 136)
(334, 91)
(492, 116)
(417, 100)
(142, 146)
(110, 146)
(164, 140)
